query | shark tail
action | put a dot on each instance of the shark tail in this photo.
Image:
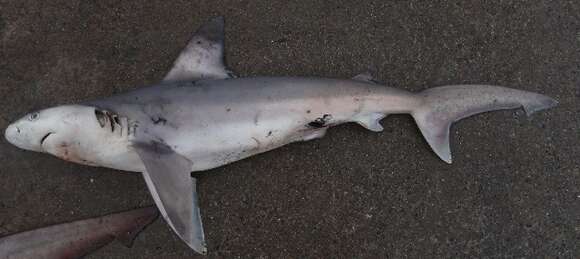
(441, 106)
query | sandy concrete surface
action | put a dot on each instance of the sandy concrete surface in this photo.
(513, 190)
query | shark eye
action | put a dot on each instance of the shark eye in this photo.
(33, 116)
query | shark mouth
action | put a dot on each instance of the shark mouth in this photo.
(44, 138)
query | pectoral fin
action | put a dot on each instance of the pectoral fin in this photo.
(174, 191)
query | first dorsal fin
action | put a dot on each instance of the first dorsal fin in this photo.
(203, 57)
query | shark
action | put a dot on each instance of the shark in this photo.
(201, 116)
(78, 238)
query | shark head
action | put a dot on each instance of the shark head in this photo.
(64, 131)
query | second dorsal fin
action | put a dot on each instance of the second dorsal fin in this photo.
(365, 77)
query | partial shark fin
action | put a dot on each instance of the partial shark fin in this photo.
(78, 238)
(168, 179)
(203, 57)
(146, 216)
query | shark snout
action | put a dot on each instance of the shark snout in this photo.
(11, 133)
(21, 138)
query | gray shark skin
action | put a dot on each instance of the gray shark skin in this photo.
(201, 117)
(216, 122)
(78, 238)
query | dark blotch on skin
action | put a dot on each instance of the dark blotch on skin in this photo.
(320, 122)
(155, 147)
(159, 120)
(269, 133)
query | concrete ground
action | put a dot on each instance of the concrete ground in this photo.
(512, 191)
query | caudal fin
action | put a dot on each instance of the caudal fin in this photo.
(441, 106)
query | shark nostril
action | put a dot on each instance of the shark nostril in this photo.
(17, 130)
